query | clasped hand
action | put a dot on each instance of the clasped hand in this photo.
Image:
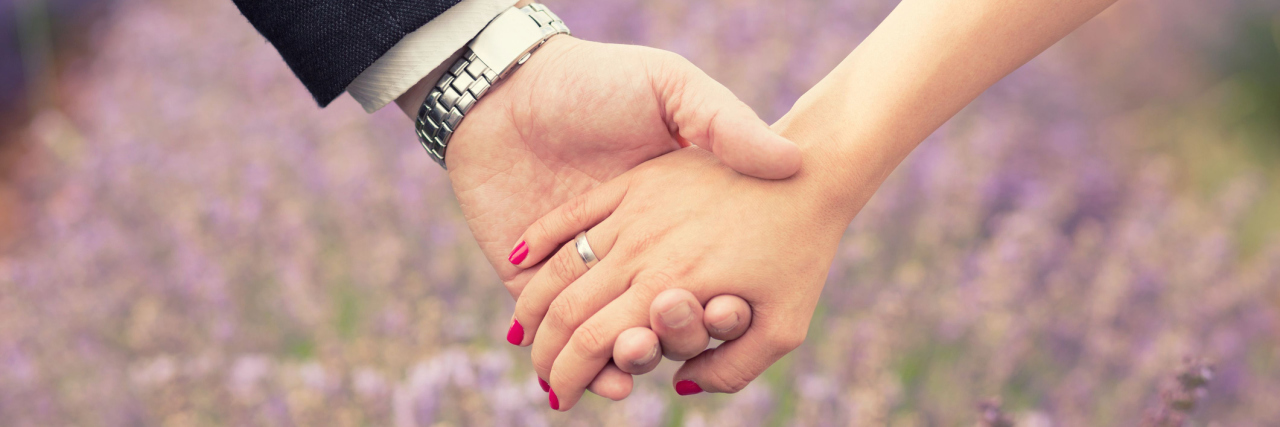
(682, 221)
(565, 139)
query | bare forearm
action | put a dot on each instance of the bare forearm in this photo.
(924, 63)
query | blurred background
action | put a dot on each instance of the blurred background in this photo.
(187, 240)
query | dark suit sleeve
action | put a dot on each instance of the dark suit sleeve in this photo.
(328, 43)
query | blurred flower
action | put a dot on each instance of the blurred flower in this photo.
(211, 248)
(1179, 395)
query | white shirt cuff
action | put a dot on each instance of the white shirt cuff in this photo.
(421, 51)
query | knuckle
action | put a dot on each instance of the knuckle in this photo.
(592, 343)
(731, 378)
(562, 266)
(575, 213)
(542, 363)
(641, 241)
(538, 232)
(667, 66)
(563, 312)
(656, 281)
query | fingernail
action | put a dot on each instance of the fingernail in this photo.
(686, 387)
(678, 316)
(545, 387)
(555, 402)
(648, 358)
(515, 335)
(726, 324)
(518, 254)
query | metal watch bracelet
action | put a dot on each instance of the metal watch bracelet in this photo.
(504, 45)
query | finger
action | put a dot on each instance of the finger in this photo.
(561, 270)
(611, 383)
(568, 310)
(637, 351)
(705, 113)
(734, 364)
(726, 317)
(565, 221)
(675, 316)
(591, 345)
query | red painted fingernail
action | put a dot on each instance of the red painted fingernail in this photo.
(518, 254)
(515, 335)
(545, 387)
(686, 387)
(555, 402)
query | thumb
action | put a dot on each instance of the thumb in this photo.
(702, 112)
(734, 364)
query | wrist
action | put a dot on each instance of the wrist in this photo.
(843, 164)
(497, 51)
(411, 99)
(530, 73)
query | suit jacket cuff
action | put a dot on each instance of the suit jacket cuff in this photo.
(422, 51)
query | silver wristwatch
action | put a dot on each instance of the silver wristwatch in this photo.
(503, 45)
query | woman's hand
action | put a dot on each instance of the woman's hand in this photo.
(710, 231)
(682, 221)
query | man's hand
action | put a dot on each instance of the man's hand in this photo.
(578, 113)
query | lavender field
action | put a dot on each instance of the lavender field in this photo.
(207, 247)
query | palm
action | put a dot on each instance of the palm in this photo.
(553, 130)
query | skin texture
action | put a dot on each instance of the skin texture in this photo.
(644, 255)
(579, 113)
(563, 124)
(677, 222)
